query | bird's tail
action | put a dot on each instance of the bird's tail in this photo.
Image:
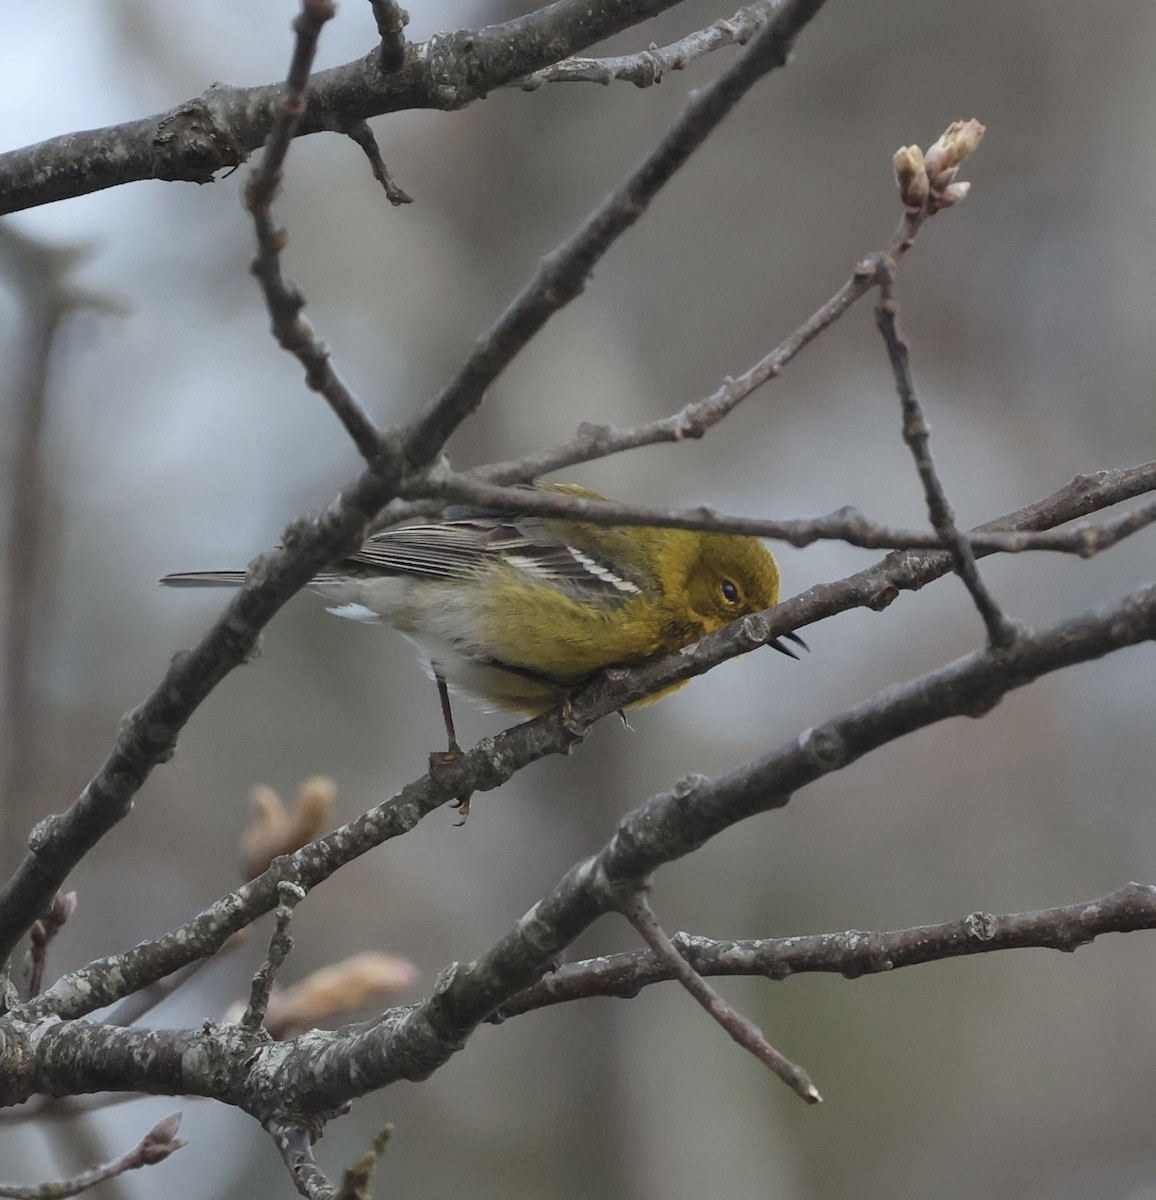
(204, 579)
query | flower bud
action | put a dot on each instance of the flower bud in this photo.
(956, 142)
(911, 176)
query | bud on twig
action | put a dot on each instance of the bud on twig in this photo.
(927, 182)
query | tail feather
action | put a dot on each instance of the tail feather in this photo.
(204, 579)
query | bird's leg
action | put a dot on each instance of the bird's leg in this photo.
(453, 752)
(447, 714)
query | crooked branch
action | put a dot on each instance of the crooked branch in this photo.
(852, 953)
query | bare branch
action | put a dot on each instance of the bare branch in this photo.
(295, 1145)
(845, 524)
(649, 66)
(391, 20)
(852, 953)
(155, 1147)
(220, 128)
(695, 419)
(283, 299)
(361, 133)
(411, 1043)
(280, 947)
(917, 435)
(636, 909)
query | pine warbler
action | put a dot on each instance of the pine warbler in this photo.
(518, 611)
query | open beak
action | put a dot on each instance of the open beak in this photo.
(777, 644)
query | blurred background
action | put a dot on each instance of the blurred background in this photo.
(179, 437)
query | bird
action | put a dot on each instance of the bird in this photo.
(519, 611)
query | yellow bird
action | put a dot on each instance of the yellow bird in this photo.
(519, 611)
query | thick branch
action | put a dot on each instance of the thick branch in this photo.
(224, 125)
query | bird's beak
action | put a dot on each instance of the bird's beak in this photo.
(777, 644)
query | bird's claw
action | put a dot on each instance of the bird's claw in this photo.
(439, 760)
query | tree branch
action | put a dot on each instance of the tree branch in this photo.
(636, 909)
(283, 299)
(845, 524)
(280, 947)
(154, 1147)
(916, 434)
(220, 128)
(852, 953)
(295, 1145)
(649, 66)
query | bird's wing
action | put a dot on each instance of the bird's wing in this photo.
(459, 548)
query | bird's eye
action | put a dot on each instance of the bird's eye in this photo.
(730, 591)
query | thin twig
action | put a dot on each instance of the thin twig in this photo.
(636, 909)
(1000, 631)
(280, 947)
(391, 20)
(851, 953)
(845, 524)
(695, 419)
(283, 298)
(295, 1145)
(361, 133)
(155, 1147)
(563, 273)
(649, 66)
